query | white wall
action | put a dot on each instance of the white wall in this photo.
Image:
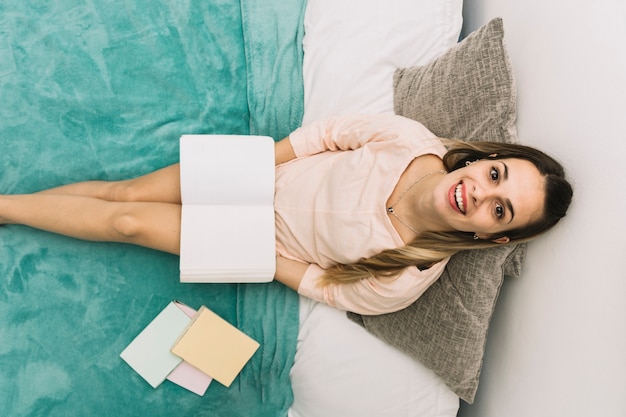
(557, 345)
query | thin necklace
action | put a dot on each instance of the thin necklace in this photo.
(391, 209)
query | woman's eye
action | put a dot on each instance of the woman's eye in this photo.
(494, 174)
(499, 211)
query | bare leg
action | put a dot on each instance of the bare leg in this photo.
(149, 224)
(162, 185)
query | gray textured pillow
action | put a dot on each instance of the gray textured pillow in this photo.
(446, 328)
(466, 93)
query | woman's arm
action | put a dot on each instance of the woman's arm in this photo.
(367, 296)
(290, 272)
(344, 133)
(373, 295)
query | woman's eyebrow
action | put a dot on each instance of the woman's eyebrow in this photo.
(505, 172)
(510, 207)
(505, 175)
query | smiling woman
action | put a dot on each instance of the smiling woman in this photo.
(535, 184)
(368, 208)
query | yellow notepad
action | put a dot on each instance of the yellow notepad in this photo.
(215, 346)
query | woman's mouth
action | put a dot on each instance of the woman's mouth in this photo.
(457, 197)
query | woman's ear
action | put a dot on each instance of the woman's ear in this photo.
(502, 239)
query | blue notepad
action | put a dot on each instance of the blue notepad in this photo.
(149, 353)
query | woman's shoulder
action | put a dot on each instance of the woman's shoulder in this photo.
(410, 134)
(391, 121)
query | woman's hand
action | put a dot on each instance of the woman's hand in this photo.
(290, 272)
(283, 151)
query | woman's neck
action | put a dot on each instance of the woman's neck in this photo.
(412, 204)
(421, 208)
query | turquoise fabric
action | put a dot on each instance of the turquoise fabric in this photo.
(275, 87)
(95, 89)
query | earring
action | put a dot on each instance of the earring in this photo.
(476, 236)
(468, 163)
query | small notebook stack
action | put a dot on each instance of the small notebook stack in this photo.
(189, 348)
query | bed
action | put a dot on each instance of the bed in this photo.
(100, 90)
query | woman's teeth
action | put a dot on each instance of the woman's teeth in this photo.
(458, 194)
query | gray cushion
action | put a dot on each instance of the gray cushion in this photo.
(466, 93)
(446, 328)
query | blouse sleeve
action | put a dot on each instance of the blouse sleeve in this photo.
(372, 295)
(352, 132)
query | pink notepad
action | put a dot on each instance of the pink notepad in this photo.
(184, 374)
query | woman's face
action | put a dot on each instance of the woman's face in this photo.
(489, 197)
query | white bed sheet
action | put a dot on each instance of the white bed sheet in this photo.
(353, 47)
(342, 370)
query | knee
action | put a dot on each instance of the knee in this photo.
(125, 191)
(126, 225)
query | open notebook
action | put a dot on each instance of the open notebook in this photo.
(227, 187)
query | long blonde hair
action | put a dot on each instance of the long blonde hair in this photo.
(429, 248)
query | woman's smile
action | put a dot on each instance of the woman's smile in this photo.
(458, 197)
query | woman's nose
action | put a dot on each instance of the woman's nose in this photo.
(480, 193)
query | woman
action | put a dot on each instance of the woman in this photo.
(368, 208)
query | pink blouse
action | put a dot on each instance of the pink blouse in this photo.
(330, 206)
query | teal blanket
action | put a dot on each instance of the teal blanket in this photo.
(95, 89)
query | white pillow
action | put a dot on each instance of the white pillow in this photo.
(342, 370)
(353, 47)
